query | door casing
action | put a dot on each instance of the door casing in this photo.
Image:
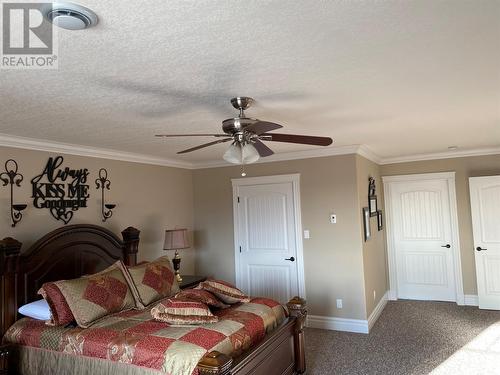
(449, 177)
(264, 180)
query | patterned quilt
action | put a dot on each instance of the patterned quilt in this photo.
(134, 337)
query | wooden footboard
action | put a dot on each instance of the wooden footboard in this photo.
(281, 353)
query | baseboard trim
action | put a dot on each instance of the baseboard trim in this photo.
(471, 300)
(337, 324)
(392, 295)
(378, 310)
(348, 325)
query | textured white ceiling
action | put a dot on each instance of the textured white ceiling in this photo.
(402, 77)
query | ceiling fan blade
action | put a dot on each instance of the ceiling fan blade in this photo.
(191, 135)
(262, 149)
(205, 145)
(295, 138)
(262, 127)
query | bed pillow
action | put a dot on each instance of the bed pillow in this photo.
(94, 296)
(226, 292)
(200, 295)
(154, 280)
(38, 310)
(181, 312)
(60, 312)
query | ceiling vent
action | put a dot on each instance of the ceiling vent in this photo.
(71, 16)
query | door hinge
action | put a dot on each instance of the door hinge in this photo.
(240, 249)
(238, 199)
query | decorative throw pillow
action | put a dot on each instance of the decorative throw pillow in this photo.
(95, 296)
(224, 291)
(60, 312)
(202, 296)
(182, 312)
(154, 280)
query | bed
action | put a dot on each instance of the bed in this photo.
(76, 250)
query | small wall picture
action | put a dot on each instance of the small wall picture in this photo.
(372, 204)
(371, 186)
(366, 223)
(380, 220)
(372, 198)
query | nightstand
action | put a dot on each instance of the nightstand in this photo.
(190, 281)
(4, 359)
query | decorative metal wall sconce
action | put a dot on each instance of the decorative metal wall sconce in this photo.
(11, 177)
(103, 183)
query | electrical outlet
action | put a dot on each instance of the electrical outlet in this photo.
(339, 303)
(307, 234)
(333, 219)
(374, 295)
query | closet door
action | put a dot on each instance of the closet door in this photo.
(267, 261)
(422, 238)
(485, 208)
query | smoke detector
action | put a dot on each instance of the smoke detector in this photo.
(71, 16)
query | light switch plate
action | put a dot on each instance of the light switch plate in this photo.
(307, 234)
(333, 218)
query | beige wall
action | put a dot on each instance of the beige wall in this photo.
(150, 198)
(338, 264)
(374, 252)
(332, 256)
(464, 167)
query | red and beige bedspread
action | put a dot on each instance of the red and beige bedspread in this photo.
(135, 338)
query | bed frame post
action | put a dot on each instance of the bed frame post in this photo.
(215, 363)
(298, 308)
(9, 263)
(130, 245)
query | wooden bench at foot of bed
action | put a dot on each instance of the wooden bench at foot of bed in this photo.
(75, 250)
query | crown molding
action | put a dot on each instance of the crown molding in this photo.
(87, 151)
(96, 152)
(441, 155)
(369, 154)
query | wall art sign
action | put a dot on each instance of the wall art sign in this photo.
(61, 190)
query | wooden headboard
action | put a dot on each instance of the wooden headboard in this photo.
(65, 253)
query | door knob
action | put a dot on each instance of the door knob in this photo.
(447, 246)
(291, 259)
(480, 249)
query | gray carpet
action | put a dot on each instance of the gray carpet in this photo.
(410, 338)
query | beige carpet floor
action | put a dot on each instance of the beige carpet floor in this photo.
(412, 338)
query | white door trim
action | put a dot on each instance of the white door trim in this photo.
(264, 180)
(391, 251)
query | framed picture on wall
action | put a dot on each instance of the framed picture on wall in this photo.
(372, 205)
(380, 220)
(366, 223)
(371, 186)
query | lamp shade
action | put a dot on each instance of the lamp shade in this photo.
(176, 239)
(241, 154)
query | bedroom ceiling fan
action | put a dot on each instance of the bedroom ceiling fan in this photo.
(247, 135)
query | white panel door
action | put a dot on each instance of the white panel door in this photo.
(422, 240)
(267, 240)
(485, 206)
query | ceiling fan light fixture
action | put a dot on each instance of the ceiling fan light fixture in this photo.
(241, 154)
(250, 153)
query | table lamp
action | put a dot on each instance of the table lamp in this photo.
(176, 239)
